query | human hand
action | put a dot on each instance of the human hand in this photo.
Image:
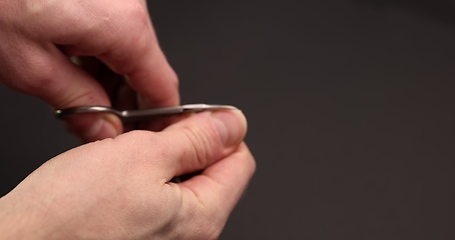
(38, 37)
(120, 188)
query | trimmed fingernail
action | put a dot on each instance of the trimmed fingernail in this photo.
(103, 128)
(231, 126)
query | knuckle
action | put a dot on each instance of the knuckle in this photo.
(34, 75)
(174, 80)
(148, 146)
(135, 13)
(200, 144)
(136, 10)
(86, 96)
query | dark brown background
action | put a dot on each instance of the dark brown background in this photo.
(350, 106)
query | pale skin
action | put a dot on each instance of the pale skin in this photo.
(38, 36)
(119, 187)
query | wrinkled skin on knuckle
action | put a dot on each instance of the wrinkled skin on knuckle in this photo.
(139, 34)
(127, 15)
(36, 83)
(201, 143)
(30, 72)
(136, 10)
(24, 56)
(148, 147)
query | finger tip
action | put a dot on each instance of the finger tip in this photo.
(93, 127)
(231, 126)
(114, 122)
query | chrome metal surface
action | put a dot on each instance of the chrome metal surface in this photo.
(140, 114)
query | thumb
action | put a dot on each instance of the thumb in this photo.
(203, 139)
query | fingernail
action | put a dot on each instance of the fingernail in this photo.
(231, 126)
(104, 127)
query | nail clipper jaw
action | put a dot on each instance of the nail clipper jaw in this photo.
(205, 107)
(141, 114)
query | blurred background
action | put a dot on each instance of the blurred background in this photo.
(350, 106)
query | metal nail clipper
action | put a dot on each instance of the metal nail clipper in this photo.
(141, 114)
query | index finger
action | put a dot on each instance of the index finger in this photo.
(128, 45)
(148, 73)
(220, 186)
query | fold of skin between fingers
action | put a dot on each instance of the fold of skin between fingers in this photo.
(209, 198)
